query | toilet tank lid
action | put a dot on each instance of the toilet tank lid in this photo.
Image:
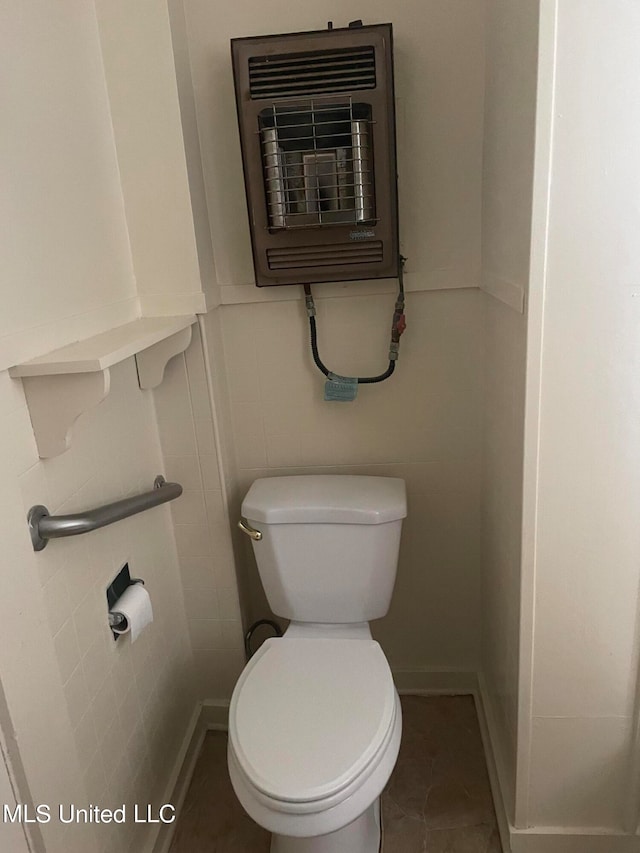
(326, 499)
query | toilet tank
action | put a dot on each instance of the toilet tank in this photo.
(329, 546)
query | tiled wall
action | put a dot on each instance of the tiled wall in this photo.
(201, 524)
(423, 424)
(95, 721)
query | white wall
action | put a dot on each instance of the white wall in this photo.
(85, 720)
(135, 39)
(583, 434)
(510, 98)
(424, 423)
(67, 270)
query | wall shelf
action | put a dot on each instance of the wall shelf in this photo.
(62, 384)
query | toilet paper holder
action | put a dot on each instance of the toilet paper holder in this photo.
(116, 619)
(115, 589)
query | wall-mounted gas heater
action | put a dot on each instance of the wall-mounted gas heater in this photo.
(317, 128)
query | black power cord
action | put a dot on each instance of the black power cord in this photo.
(398, 326)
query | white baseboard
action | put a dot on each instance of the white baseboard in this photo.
(559, 840)
(495, 767)
(538, 839)
(215, 716)
(206, 716)
(180, 778)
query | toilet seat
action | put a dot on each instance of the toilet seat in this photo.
(309, 720)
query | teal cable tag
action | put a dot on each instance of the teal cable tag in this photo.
(340, 389)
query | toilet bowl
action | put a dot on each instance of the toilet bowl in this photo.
(314, 733)
(315, 720)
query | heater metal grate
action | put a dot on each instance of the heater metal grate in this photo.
(313, 72)
(302, 257)
(317, 163)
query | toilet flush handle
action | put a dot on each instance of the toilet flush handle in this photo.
(244, 525)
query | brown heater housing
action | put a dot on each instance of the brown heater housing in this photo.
(317, 129)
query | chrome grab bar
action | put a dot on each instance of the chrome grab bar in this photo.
(254, 534)
(43, 526)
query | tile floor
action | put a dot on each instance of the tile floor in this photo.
(437, 800)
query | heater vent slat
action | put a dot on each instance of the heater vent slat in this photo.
(338, 254)
(314, 72)
(299, 81)
(310, 58)
(272, 71)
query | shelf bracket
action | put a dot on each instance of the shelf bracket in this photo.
(60, 385)
(56, 402)
(152, 362)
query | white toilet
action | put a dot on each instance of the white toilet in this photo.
(315, 720)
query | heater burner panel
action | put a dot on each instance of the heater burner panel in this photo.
(318, 164)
